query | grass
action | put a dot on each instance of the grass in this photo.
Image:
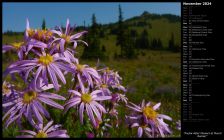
(153, 77)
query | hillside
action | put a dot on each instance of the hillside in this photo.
(158, 27)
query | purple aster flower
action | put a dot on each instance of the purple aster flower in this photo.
(66, 37)
(117, 97)
(32, 43)
(88, 102)
(47, 66)
(141, 129)
(90, 135)
(8, 94)
(178, 125)
(109, 79)
(113, 115)
(7, 89)
(39, 35)
(49, 131)
(29, 104)
(29, 32)
(85, 73)
(19, 47)
(152, 117)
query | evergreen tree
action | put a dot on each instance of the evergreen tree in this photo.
(128, 46)
(43, 25)
(93, 50)
(171, 45)
(156, 44)
(120, 32)
(143, 41)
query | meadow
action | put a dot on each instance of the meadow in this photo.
(153, 76)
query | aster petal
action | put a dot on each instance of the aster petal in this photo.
(51, 103)
(27, 24)
(81, 110)
(57, 133)
(72, 100)
(82, 42)
(21, 62)
(53, 78)
(101, 108)
(18, 109)
(140, 132)
(58, 72)
(90, 114)
(37, 113)
(42, 109)
(44, 76)
(28, 72)
(53, 128)
(46, 87)
(28, 131)
(51, 95)
(75, 44)
(25, 136)
(9, 111)
(71, 105)
(9, 121)
(75, 92)
(48, 125)
(88, 77)
(96, 92)
(96, 112)
(155, 107)
(63, 136)
(6, 48)
(135, 106)
(148, 104)
(80, 83)
(135, 125)
(11, 103)
(67, 29)
(136, 109)
(64, 67)
(78, 35)
(70, 56)
(55, 40)
(161, 131)
(102, 98)
(20, 55)
(62, 44)
(148, 129)
(56, 32)
(36, 52)
(37, 75)
(165, 117)
(27, 113)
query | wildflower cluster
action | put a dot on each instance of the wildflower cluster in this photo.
(45, 58)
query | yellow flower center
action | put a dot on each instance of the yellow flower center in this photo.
(29, 96)
(17, 45)
(31, 32)
(46, 60)
(150, 113)
(41, 134)
(104, 86)
(86, 98)
(5, 89)
(79, 67)
(107, 70)
(144, 126)
(65, 37)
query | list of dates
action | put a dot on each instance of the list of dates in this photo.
(198, 62)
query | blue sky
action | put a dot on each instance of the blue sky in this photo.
(15, 14)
